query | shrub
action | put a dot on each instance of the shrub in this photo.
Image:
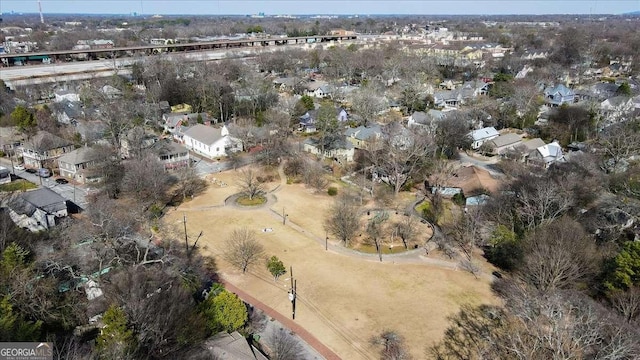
(332, 191)
(459, 199)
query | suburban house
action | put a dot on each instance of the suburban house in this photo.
(504, 142)
(211, 142)
(171, 122)
(429, 120)
(546, 155)
(36, 210)
(521, 151)
(318, 89)
(616, 109)
(364, 137)
(480, 136)
(285, 83)
(67, 112)
(341, 152)
(135, 141)
(308, 120)
(43, 148)
(77, 164)
(447, 98)
(559, 95)
(469, 180)
(172, 155)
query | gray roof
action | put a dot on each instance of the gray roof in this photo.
(484, 133)
(231, 347)
(364, 133)
(169, 147)
(79, 156)
(42, 198)
(44, 141)
(533, 144)
(204, 134)
(506, 139)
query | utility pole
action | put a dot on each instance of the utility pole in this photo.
(326, 240)
(292, 294)
(186, 237)
(284, 217)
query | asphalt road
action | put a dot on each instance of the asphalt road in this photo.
(74, 193)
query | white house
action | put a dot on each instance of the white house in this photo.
(547, 154)
(211, 142)
(480, 136)
(36, 210)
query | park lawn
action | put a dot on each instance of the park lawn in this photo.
(343, 300)
(18, 185)
(257, 200)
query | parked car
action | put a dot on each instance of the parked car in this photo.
(31, 171)
(62, 181)
(45, 173)
(19, 167)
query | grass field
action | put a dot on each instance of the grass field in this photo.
(18, 185)
(343, 299)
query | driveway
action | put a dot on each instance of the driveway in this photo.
(486, 163)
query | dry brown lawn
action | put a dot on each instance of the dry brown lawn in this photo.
(343, 300)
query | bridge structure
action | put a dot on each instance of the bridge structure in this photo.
(12, 59)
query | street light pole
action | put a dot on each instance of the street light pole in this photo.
(284, 217)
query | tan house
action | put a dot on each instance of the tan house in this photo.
(43, 149)
(504, 142)
(76, 165)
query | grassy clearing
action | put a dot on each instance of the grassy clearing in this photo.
(245, 201)
(18, 185)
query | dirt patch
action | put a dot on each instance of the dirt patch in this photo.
(343, 300)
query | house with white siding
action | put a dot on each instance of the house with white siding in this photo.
(211, 142)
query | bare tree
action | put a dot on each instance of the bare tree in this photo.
(540, 200)
(402, 156)
(159, 308)
(453, 135)
(368, 104)
(249, 184)
(627, 303)
(406, 229)
(242, 249)
(188, 181)
(343, 220)
(619, 143)
(465, 232)
(315, 176)
(392, 345)
(531, 325)
(118, 121)
(146, 179)
(375, 230)
(558, 255)
(283, 346)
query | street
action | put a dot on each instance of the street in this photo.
(74, 193)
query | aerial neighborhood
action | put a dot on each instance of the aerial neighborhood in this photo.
(321, 187)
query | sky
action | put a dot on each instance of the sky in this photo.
(337, 7)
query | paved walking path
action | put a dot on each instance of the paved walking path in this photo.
(288, 323)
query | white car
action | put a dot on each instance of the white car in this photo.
(18, 167)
